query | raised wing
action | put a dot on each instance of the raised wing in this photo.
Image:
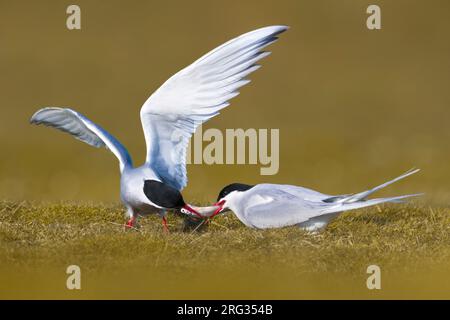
(196, 94)
(81, 128)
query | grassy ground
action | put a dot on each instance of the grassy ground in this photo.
(411, 244)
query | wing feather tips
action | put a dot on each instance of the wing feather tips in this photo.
(277, 28)
(69, 121)
(39, 116)
(247, 40)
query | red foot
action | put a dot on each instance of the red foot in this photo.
(130, 223)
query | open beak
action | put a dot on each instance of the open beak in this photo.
(219, 206)
(220, 203)
(192, 211)
(203, 212)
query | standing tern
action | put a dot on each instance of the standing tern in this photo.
(169, 118)
(273, 205)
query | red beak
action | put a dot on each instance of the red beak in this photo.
(193, 211)
(220, 205)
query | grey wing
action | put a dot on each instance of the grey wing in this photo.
(81, 128)
(69, 121)
(297, 191)
(277, 208)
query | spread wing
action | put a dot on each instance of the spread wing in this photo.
(196, 94)
(81, 128)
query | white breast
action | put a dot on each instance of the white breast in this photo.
(132, 188)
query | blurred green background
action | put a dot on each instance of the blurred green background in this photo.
(354, 107)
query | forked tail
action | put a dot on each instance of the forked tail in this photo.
(359, 200)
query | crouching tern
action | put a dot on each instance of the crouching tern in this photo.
(169, 118)
(273, 205)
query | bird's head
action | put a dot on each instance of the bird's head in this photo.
(228, 193)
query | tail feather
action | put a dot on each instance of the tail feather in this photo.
(367, 203)
(363, 195)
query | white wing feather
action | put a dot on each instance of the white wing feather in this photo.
(81, 128)
(268, 206)
(280, 209)
(274, 206)
(194, 95)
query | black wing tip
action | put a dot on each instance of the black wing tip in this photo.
(281, 28)
(271, 31)
(33, 119)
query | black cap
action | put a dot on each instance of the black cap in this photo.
(233, 187)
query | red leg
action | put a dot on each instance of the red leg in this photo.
(165, 227)
(130, 223)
